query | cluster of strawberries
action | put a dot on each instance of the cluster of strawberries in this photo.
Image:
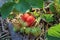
(29, 19)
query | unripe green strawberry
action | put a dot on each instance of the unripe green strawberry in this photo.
(35, 31)
(27, 30)
(22, 30)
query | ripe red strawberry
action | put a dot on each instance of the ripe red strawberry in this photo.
(30, 20)
(25, 16)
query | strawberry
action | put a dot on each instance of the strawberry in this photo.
(27, 30)
(30, 20)
(25, 16)
(36, 31)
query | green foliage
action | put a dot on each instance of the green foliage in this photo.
(36, 14)
(34, 31)
(54, 33)
(47, 17)
(52, 38)
(6, 9)
(38, 20)
(57, 5)
(36, 3)
(11, 16)
(52, 8)
(23, 6)
(20, 5)
(9, 0)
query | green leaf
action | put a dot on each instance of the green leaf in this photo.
(48, 17)
(52, 38)
(52, 8)
(36, 14)
(6, 9)
(11, 16)
(36, 3)
(23, 6)
(9, 0)
(54, 33)
(57, 5)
